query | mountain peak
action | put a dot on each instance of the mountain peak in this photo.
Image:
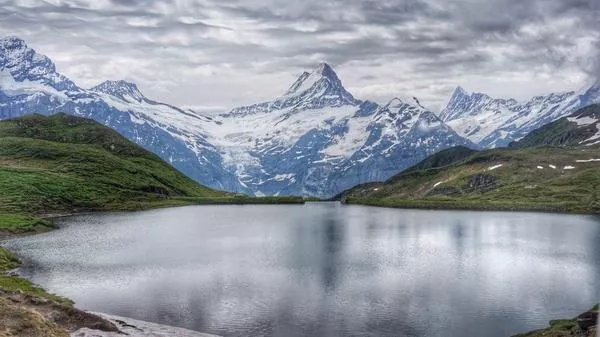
(322, 72)
(325, 70)
(12, 42)
(399, 101)
(24, 63)
(320, 87)
(124, 90)
(459, 91)
(14, 54)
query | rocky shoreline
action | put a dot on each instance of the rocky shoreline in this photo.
(584, 325)
(135, 328)
(23, 313)
(28, 310)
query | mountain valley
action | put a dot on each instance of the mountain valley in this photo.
(316, 139)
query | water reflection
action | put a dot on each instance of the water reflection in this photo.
(324, 269)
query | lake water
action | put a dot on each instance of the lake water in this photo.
(324, 269)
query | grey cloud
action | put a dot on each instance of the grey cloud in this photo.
(229, 52)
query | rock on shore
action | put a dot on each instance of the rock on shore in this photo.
(135, 328)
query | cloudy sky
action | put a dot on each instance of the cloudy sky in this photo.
(215, 54)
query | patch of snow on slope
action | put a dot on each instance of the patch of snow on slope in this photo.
(587, 160)
(10, 87)
(552, 167)
(495, 167)
(594, 137)
(569, 168)
(348, 143)
(282, 177)
(478, 127)
(582, 121)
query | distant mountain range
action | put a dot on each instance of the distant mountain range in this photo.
(491, 122)
(530, 175)
(316, 139)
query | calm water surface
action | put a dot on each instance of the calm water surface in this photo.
(324, 269)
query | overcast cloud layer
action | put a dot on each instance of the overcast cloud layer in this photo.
(223, 53)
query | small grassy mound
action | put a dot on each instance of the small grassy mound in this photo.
(8, 261)
(17, 224)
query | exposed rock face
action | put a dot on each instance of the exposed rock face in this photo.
(19, 321)
(23, 314)
(587, 320)
(482, 183)
(584, 325)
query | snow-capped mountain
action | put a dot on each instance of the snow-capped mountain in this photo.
(492, 122)
(123, 90)
(587, 123)
(318, 89)
(30, 84)
(316, 139)
(581, 128)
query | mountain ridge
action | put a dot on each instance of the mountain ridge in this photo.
(315, 140)
(496, 122)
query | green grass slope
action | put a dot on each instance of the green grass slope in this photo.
(64, 164)
(530, 175)
(563, 132)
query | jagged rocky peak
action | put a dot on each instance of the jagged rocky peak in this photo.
(17, 57)
(121, 89)
(322, 81)
(459, 92)
(326, 71)
(12, 43)
(12, 51)
(400, 101)
(462, 102)
(319, 89)
(24, 63)
(405, 110)
(322, 73)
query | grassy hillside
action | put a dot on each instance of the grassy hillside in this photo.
(64, 164)
(528, 176)
(564, 132)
